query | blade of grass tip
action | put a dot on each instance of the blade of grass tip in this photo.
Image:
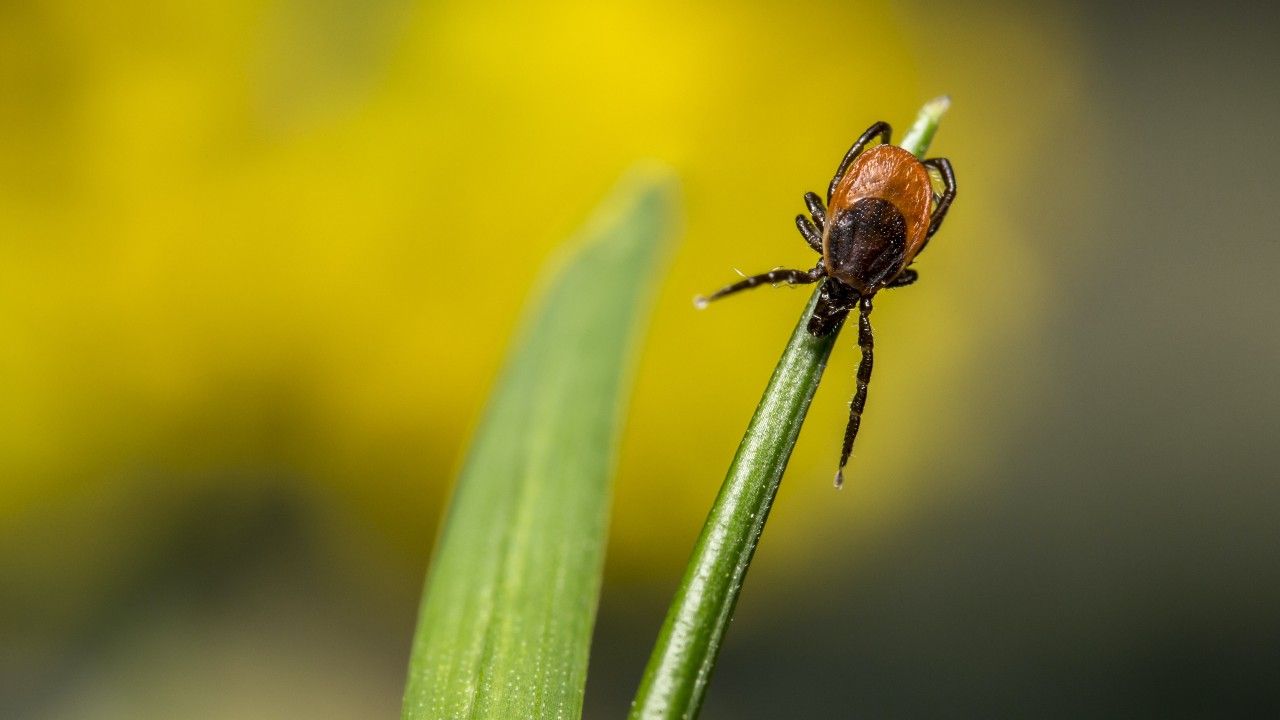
(505, 622)
(684, 655)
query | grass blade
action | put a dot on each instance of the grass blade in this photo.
(510, 599)
(675, 680)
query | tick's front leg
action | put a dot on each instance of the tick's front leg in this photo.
(866, 342)
(790, 277)
(834, 304)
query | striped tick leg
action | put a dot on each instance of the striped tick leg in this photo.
(773, 277)
(812, 229)
(866, 342)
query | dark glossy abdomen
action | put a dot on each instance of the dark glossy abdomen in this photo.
(866, 244)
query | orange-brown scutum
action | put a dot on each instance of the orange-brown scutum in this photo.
(890, 173)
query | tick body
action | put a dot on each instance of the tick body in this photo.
(881, 212)
(879, 218)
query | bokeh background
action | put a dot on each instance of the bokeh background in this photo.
(259, 262)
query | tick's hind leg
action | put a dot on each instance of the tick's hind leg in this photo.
(811, 235)
(790, 277)
(812, 231)
(816, 209)
(943, 166)
(866, 342)
(882, 129)
(904, 279)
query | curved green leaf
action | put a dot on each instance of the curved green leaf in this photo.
(510, 599)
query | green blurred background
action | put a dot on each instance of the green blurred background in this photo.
(259, 262)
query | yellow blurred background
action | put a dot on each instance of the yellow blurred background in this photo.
(259, 263)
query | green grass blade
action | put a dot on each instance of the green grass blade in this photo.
(506, 616)
(675, 680)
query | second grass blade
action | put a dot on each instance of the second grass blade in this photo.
(510, 600)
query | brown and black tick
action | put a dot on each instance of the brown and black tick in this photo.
(881, 211)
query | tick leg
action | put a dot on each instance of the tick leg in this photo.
(882, 129)
(819, 213)
(812, 235)
(790, 277)
(906, 278)
(943, 166)
(865, 341)
(834, 304)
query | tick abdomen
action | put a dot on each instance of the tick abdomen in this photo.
(866, 244)
(885, 174)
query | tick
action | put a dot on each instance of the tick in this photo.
(880, 213)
